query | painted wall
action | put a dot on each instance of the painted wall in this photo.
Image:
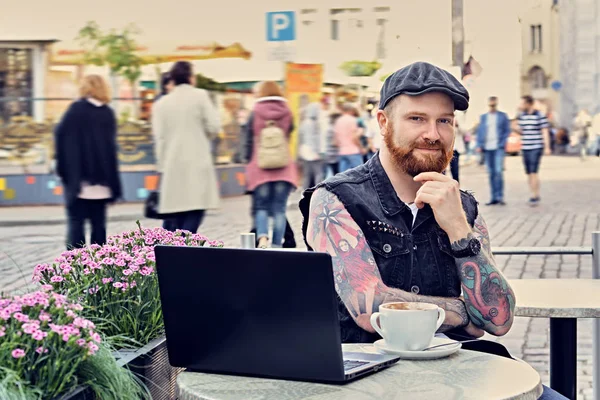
(47, 189)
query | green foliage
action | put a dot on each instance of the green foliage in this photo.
(116, 49)
(360, 68)
(207, 83)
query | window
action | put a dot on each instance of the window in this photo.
(16, 81)
(380, 50)
(335, 29)
(536, 38)
(537, 78)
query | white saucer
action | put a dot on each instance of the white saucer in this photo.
(432, 354)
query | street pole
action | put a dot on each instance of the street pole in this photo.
(596, 331)
(458, 34)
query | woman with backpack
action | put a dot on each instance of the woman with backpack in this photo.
(271, 174)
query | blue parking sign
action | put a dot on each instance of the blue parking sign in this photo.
(281, 26)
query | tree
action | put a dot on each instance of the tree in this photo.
(207, 83)
(115, 49)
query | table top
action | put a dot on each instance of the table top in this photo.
(557, 298)
(463, 375)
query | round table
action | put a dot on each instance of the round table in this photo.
(463, 375)
(563, 301)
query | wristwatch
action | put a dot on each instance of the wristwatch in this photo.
(470, 249)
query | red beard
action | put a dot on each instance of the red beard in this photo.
(405, 159)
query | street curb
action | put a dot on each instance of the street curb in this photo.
(115, 218)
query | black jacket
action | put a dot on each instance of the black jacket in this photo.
(86, 149)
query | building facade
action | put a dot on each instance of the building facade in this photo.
(540, 68)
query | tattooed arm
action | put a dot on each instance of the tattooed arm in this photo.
(489, 298)
(358, 282)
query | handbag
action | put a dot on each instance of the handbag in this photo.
(151, 206)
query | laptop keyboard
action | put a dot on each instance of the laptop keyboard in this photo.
(351, 364)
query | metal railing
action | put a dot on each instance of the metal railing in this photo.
(593, 251)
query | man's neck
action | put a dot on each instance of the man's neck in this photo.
(404, 185)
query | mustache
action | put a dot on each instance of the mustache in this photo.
(427, 144)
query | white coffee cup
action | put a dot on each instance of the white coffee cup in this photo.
(406, 325)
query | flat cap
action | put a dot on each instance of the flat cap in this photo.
(420, 78)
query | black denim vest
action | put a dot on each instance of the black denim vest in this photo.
(414, 258)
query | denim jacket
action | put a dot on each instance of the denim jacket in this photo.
(415, 258)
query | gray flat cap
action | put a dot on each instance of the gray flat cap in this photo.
(420, 78)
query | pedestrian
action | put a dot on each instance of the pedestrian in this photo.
(166, 86)
(493, 132)
(184, 123)
(348, 139)
(332, 152)
(309, 149)
(271, 174)
(535, 139)
(582, 124)
(86, 161)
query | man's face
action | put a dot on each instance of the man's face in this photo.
(493, 104)
(524, 106)
(419, 133)
(169, 86)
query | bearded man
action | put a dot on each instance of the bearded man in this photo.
(429, 241)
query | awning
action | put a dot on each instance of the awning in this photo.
(148, 56)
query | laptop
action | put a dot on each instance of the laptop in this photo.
(258, 313)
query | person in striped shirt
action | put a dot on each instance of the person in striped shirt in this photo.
(535, 141)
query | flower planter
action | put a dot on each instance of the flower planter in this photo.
(151, 364)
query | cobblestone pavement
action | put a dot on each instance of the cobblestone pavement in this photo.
(567, 216)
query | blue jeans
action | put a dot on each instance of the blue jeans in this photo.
(494, 159)
(271, 199)
(350, 161)
(549, 394)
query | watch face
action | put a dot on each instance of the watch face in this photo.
(475, 246)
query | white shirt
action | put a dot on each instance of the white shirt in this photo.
(491, 140)
(413, 210)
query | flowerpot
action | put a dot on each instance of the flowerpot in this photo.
(79, 393)
(151, 364)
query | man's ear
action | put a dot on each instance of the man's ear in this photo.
(382, 120)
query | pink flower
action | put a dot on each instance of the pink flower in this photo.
(70, 314)
(39, 335)
(95, 337)
(93, 348)
(41, 350)
(118, 284)
(21, 317)
(2, 331)
(66, 337)
(57, 278)
(80, 342)
(44, 316)
(127, 272)
(18, 353)
(47, 287)
(146, 271)
(107, 280)
(30, 328)
(5, 314)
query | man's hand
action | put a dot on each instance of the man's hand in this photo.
(547, 151)
(443, 195)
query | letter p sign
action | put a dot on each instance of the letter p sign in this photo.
(281, 26)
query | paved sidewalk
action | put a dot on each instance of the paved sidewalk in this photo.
(568, 214)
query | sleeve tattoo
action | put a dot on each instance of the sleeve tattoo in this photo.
(358, 282)
(489, 299)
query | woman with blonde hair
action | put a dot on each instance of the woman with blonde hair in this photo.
(270, 185)
(86, 161)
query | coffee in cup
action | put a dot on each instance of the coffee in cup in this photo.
(407, 325)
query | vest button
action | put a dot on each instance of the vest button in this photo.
(414, 289)
(387, 248)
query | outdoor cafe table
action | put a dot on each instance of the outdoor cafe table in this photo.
(463, 375)
(563, 301)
